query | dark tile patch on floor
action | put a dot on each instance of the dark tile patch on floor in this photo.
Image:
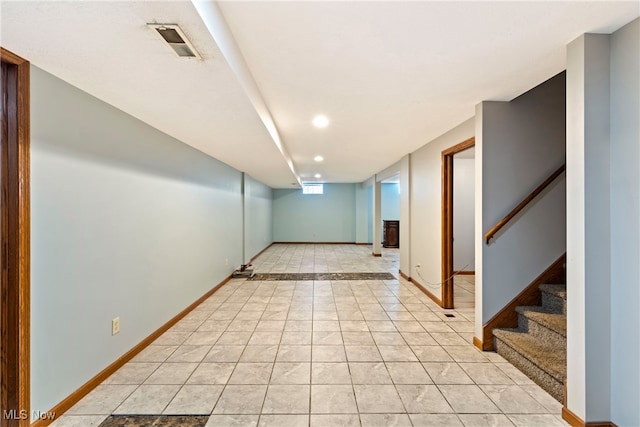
(322, 276)
(155, 421)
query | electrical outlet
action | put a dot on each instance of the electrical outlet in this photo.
(418, 266)
(315, 234)
(115, 326)
(226, 262)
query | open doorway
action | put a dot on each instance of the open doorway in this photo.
(390, 216)
(14, 230)
(463, 229)
(463, 156)
(390, 212)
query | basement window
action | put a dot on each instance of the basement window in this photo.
(312, 189)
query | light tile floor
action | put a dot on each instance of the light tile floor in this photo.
(464, 291)
(320, 353)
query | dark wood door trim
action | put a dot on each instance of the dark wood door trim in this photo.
(447, 219)
(15, 287)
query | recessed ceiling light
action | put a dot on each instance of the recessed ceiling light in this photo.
(318, 158)
(317, 175)
(320, 121)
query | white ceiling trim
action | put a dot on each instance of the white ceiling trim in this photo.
(214, 21)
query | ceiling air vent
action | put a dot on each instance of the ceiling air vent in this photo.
(176, 39)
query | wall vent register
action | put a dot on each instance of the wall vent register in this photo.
(173, 35)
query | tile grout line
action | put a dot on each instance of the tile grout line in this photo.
(344, 347)
(264, 399)
(406, 411)
(313, 310)
(224, 387)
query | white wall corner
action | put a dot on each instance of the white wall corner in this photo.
(377, 220)
(588, 231)
(478, 223)
(405, 215)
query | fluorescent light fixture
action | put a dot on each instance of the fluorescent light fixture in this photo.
(318, 158)
(320, 121)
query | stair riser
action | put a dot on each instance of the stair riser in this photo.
(552, 386)
(541, 332)
(554, 303)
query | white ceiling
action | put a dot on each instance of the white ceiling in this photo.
(390, 75)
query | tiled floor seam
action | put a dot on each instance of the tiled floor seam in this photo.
(264, 399)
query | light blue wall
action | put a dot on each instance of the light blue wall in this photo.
(258, 217)
(125, 221)
(328, 217)
(363, 213)
(390, 200)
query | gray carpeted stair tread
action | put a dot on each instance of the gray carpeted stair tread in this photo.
(558, 290)
(554, 321)
(547, 357)
(554, 298)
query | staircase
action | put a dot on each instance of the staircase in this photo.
(538, 347)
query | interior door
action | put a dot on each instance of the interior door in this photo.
(14, 241)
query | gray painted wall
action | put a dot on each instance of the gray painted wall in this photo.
(258, 217)
(625, 220)
(463, 214)
(405, 214)
(125, 221)
(603, 234)
(328, 217)
(518, 145)
(426, 206)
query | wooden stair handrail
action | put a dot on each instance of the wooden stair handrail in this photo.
(491, 233)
